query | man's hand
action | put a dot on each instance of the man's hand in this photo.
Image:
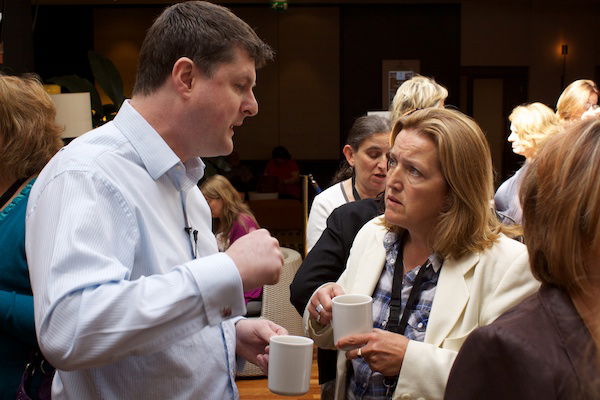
(322, 300)
(258, 259)
(252, 340)
(382, 350)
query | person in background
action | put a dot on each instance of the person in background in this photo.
(233, 217)
(285, 169)
(531, 125)
(415, 94)
(132, 298)
(29, 137)
(361, 176)
(548, 346)
(436, 264)
(577, 98)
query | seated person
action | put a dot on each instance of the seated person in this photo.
(286, 171)
(437, 263)
(232, 219)
(547, 346)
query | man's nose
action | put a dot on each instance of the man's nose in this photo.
(250, 106)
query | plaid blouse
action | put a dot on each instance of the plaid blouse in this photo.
(364, 383)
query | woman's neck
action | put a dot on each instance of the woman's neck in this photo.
(6, 182)
(416, 250)
(588, 308)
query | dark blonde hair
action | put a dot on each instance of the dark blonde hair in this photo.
(571, 103)
(219, 188)
(29, 136)
(417, 93)
(468, 223)
(560, 194)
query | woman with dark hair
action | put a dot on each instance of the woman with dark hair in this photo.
(361, 176)
(547, 347)
(28, 139)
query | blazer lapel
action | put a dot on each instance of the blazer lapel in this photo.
(451, 296)
(372, 261)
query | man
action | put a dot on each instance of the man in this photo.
(132, 299)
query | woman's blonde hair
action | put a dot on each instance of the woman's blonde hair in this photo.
(560, 194)
(572, 102)
(29, 137)
(415, 94)
(468, 223)
(219, 188)
(534, 124)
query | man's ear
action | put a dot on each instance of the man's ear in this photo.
(349, 153)
(182, 75)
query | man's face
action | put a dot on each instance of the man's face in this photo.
(218, 104)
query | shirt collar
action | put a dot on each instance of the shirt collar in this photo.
(389, 241)
(156, 155)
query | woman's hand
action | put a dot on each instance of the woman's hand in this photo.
(319, 305)
(382, 350)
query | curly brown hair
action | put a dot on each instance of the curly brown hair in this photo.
(29, 136)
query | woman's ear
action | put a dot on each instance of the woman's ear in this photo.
(349, 154)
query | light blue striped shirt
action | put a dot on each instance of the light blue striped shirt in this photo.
(122, 309)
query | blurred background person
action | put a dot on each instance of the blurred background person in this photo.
(285, 169)
(233, 219)
(417, 93)
(547, 346)
(531, 125)
(436, 264)
(576, 99)
(361, 175)
(29, 137)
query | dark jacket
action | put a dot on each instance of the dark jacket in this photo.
(327, 260)
(541, 349)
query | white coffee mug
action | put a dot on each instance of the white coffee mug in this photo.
(352, 313)
(290, 363)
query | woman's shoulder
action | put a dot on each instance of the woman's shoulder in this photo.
(246, 220)
(505, 248)
(332, 197)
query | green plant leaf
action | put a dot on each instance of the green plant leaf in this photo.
(77, 84)
(108, 77)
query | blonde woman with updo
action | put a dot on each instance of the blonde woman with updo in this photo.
(577, 98)
(233, 217)
(531, 125)
(415, 94)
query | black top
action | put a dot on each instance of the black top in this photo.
(327, 260)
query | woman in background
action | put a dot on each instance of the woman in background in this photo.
(28, 139)
(415, 94)
(234, 218)
(531, 125)
(361, 176)
(548, 346)
(577, 98)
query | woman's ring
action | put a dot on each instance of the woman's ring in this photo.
(319, 308)
(318, 317)
(359, 353)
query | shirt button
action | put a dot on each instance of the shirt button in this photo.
(225, 312)
(420, 326)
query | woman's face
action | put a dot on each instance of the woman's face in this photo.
(216, 207)
(370, 162)
(519, 146)
(416, 189)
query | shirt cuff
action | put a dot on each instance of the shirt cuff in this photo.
(220, 287)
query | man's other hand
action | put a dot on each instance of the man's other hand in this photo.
(252, 340)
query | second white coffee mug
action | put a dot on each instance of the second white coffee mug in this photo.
(352, 313)
(290, 363)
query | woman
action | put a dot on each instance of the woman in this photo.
(234, 218)
(361, 176)
(576, 99)
(286, 171)
(28, 139)
(547, 346)
(531, 125)
(439, 248)
(417, 93)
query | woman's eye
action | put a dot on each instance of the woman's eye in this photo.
(391, 163)
(413, 171)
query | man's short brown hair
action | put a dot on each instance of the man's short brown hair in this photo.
(205, 33)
